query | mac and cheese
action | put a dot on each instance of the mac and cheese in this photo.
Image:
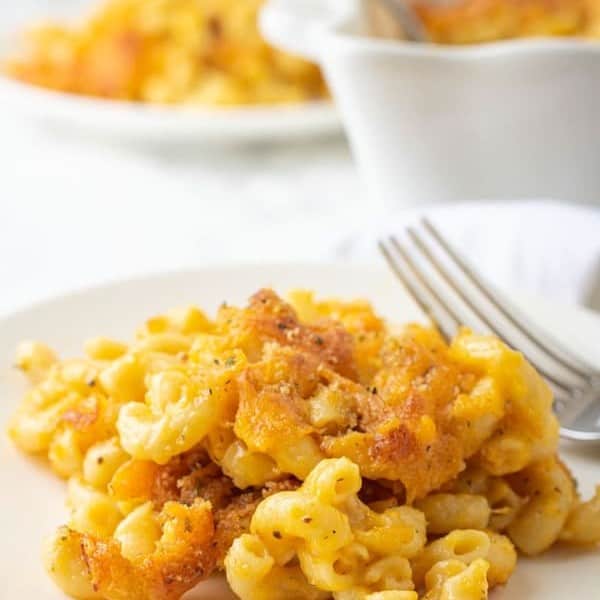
(306, 448)
(478, 21)
(190, 52)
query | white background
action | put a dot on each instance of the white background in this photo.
(76, 211)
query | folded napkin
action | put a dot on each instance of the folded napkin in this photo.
(547, 248)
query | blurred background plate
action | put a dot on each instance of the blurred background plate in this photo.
(121, 121)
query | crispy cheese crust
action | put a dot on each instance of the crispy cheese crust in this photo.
(478, 21)
(183, 557)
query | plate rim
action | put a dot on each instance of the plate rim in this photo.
(165, 109)
(76, 291)
(138, 119)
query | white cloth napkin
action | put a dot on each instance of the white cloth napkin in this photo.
(547, 248)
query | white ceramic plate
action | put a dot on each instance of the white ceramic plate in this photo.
(31, 500)
(142, 123)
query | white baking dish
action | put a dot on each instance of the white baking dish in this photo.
(435, 123)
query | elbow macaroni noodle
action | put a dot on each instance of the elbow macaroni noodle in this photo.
(446, 512)
(305, 449)
(343, 547)
(340, 544)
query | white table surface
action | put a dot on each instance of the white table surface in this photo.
(77, 211)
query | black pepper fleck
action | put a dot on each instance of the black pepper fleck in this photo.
(215, 27)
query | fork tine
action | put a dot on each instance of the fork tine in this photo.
(563, 386)
(397, 270)
(567, 360)
(417, 295)
(423, 281)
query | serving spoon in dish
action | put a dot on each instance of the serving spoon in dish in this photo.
(390, 18)
(404, 19)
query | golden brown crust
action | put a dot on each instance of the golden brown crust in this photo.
(272, 403)
(417, 383)
(269, 319)
(401, 427)
(183, 557)
(233, 519)
(191, 477)
(473, 21)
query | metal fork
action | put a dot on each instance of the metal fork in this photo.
(451, 294)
